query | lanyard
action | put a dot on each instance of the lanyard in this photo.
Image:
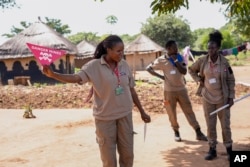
(116, 71)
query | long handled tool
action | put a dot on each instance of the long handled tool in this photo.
(225, 106)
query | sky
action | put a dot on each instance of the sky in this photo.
(90, 15)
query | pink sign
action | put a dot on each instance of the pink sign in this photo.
(45, 55)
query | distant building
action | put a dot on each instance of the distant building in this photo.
(85, 53)
(141, 52)
(17, 60)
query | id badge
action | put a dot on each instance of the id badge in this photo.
(118, 90)
(212, 80)
(172, 72)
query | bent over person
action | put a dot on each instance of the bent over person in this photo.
(217, 83)
(114, 95)
(173, 67)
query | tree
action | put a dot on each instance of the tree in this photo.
(111, 19)
(228, 41)
(87, 36)
(202, 37)
(236, 32)
(53, 23)
(15, 30)
(58, 26)
(167, 26)
(126, 38)
(234, 7)
(240, 26)
(8, 4)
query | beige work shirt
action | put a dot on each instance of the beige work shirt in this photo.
(212, 91)
(107, 105)
(174, 80)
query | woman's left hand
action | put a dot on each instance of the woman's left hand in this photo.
(145, 117)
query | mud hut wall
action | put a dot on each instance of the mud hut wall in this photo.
(142, 60)
(29, 66)
(69, 68)
(25, 62)
(79, 62)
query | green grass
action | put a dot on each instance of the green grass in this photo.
(240, 60)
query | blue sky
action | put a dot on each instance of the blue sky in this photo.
(90, 15)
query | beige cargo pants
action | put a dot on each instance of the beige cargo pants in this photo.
(224, 118)
(181, 97)
(116, 134)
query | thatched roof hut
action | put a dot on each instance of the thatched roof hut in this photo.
(143, 44)
(142, 51)
(38, 33)
(17, 60)
(86, 51)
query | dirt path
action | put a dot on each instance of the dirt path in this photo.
(66, 138)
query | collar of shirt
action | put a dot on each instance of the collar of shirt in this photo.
(217, 61)
(104, 62)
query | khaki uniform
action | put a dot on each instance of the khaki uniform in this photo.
(175, 92)
(219, 83)
(112, 112)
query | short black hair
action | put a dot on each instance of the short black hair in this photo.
(169, 43)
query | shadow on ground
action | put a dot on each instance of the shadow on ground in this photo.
(187, 156)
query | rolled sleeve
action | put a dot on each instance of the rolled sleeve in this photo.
(159, 63)
(83, 74)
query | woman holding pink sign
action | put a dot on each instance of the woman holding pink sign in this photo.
(114, 95)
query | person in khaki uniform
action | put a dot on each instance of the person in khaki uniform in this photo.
(114, 95)
(173, 66)
(217, 83)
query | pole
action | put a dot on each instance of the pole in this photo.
(225, 106)
(191, 56)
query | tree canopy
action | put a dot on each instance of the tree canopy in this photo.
(53, 23)
(234, 7)
(87, 36)
(8, 4)
(167, 26)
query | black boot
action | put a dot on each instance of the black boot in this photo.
(200, 135)
(211, 154)
(229, 152)
(177, 136)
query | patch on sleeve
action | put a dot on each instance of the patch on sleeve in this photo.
(230, 70)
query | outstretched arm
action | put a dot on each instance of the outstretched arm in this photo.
(68, 78)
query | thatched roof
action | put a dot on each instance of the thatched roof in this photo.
(85, 49)
(38, 33)
(143, 44)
